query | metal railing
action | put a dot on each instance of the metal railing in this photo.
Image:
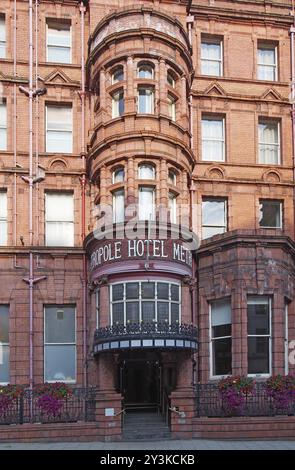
(79, 406)
(210, 402)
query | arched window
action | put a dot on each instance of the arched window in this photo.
(170, 79)
(146, 172)
(118, 74)
(145, 71)
(118, 175)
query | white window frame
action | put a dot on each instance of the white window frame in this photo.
(153, 191)
(48, 193)
(7, 344)
(4, 125)
(211, 339)
(152, 102)
(172, 197)
(261, 46)
(58, 130)
(262, 375)
(140, 299)
(3, 43)
(5, 219)
(61, 22)
(121, 168)
(114, 194)
(278, 145)
(219, 119)
(281, 213)
(225, 226)
(216, 41)
(116, 103)
(58, 344)
(172, 107)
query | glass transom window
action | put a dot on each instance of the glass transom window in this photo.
(145, 301)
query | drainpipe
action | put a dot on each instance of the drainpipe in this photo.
(14, 135)
(83, 194)
(292, 32)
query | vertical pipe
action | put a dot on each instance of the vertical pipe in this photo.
(14, 133)
(83, 193)
(36, 122)
(31, 258)
(292, 32)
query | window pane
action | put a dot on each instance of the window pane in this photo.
(145, 100)
(118, 313)
(146, 172)
(3, 127)
(213, 212)
(211, 67)
(268, 132)
(2, 38)
(145, 71)
(163, 311)
(118, 175)
(174, 292)
(174, 313)
(208, 232)
(266, 72)
(258, 319)
(132, 290)
(59, 234)
(148, 290)
(60, 363)
(212, 139)
(59, 207)
(221, 318)
(59, 118)
(221, 360)
(4, 364)
(60, 325)
(59, 43)
(4, 324)
(266, 63)
(3, 218)
(211, 63)
(118, 75)
(258, 355)
(146, 203)
(117, 292)
(163, 290)
(3, 233)
(118, 206)
(61, 55)
(132, 312)
(148, 311)
(270, 214)
(118, 104)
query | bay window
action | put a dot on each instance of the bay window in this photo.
(220, 337)
(145, 301)
(60, 343)
(59, 219)
(4, 344)
(269, 141)
(259, 335)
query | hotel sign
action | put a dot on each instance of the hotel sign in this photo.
(120, 250)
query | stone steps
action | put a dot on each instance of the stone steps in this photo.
(142, 426)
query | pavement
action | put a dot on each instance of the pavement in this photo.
(192, 444)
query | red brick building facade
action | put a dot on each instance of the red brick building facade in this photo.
(119, 112)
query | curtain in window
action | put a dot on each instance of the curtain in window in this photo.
(145, 101)
(2, 38)
(3, 127)
(59, 43)
(211, 58)
(267, 64)
(118, 206)
(212, 140)
(146, 204)
(3, 218)
(59, 129)
(59, 213)
(268, 142)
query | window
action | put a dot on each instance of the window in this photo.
(117, 104)
(259, 335)
(3, 218)
(172, 207)
(145, 71)
(213, 141)
(59, 129)
(145, 301)
(59, 42)
(170, 79)
(220, 337)
(118, 206)
(118, 75)
(145, 100)
(60, 343)
(270, 213)
(118, 175)
(146, 203)
(214, 216)
(2, 38)
(97, 307)
(172, 107)
(267, 61)
(146, 172)
(172, 177)
(3, 126)
(269, 142)
(4, 344)
(59, 219)
(211, 56)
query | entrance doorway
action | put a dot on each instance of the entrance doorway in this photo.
(140, 383)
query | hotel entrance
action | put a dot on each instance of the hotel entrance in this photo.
(140, 383)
